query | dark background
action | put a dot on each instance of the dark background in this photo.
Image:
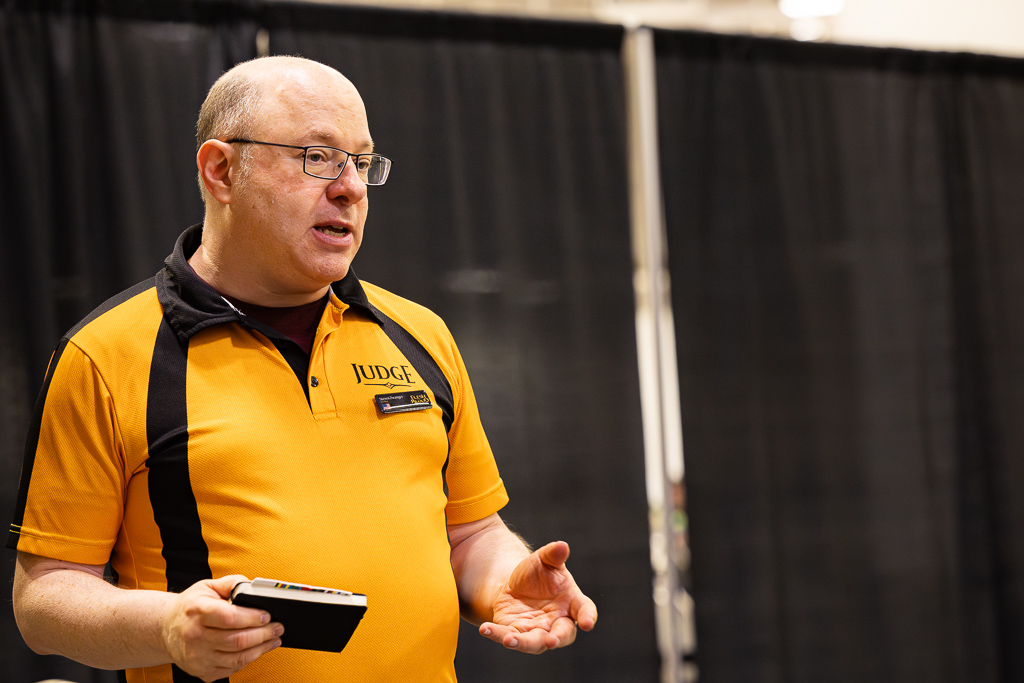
(847, 271)
(847, 259)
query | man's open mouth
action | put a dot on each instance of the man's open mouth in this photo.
(332, 230)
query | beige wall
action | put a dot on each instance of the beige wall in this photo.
(992, 26)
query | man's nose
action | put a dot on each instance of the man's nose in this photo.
(348, 186)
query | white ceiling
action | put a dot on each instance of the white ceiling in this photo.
(987, 26)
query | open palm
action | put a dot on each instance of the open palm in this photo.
(540, 605)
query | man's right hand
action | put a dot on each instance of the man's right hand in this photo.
(210, 638)
(65, 608)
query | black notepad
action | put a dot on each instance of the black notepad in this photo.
(314, 618)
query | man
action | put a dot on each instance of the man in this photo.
(227, 419)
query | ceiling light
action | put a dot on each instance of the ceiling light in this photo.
(810, 9)
(808, 29)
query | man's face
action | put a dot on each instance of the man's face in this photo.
(301, 233)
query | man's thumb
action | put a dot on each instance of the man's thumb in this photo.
(554, 554)
(225, 584)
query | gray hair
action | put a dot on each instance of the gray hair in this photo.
(230, 110)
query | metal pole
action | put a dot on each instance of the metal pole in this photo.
(656, 352)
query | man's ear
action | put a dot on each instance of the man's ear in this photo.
(214, 160)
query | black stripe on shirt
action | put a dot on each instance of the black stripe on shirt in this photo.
(424, 363)
(431, 373)
(170, 489)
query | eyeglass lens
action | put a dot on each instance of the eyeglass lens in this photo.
(328, 163)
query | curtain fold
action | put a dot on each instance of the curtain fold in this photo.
(843, 234)
(97, 141)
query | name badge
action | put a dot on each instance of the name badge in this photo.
(403, 403)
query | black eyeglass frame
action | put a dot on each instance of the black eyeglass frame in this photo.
(305, 150)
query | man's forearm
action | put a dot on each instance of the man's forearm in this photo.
(78, 615)
(484, 554)
(68, 609)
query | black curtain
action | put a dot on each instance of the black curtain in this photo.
(98, 103)
(506, 213)
(847, 262)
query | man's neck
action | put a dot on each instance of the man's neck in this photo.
(208, 269)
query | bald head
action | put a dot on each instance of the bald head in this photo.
(236, 102)
(246, 94)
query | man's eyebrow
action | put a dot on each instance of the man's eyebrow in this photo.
(318, 136)
(324, 138)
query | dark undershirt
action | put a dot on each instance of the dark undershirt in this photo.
(298, 323)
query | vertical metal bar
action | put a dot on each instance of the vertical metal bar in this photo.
(262, 43)
(656, 352)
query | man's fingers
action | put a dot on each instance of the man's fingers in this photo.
(239, 640)
(223, 615)
(530, 642)
(563, 632)
(494, 632)
(554, 554)
(534, 641)
(216, 612)
(505, 635)
(238, 660)
(209, 637)
(225, 584)
(538, 640)
(207, 600)
(584, 612)
(224, 664)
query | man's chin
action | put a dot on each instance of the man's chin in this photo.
(334, 271)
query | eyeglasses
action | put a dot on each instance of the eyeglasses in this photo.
(328, 162)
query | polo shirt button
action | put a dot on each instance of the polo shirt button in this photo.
(314, 381)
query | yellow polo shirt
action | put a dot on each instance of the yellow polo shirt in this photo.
(181, 441)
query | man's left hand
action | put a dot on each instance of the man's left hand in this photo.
(540, 605)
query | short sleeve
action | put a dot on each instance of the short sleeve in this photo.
(475, 489)
(73, 479)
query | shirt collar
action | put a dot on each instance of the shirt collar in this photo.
(191, 305)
